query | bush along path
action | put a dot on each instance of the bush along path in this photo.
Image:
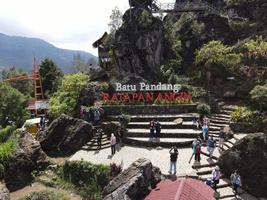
(204, 171)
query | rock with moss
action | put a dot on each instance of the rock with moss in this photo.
(65, 135)
(249, 157)
(139, 44)
(28, 157)
(134, 182)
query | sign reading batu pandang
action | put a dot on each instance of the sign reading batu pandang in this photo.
(147, 94)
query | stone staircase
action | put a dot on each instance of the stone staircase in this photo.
(224, 188)
(92, 144)
(173, 134)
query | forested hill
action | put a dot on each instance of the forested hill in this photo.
(19, 51)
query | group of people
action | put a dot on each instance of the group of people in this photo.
(235, 179)
(215, 175)
(92, 115)
(155, 129)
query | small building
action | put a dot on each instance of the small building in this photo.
(105, 61)
(181, 189)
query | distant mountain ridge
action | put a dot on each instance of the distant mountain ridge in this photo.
(19, 52)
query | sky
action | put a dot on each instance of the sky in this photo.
(69, 24)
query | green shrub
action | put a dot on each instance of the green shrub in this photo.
(259, 96)
(5, 133)
(45, 195)
(91, 177)
(203, 109)
(244, 114)
(6, 151)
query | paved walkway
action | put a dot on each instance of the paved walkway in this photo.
(128, 154)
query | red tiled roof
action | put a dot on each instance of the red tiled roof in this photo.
(181, 189)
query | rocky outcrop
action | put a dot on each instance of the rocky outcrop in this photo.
(249, 157)
(134, 182)
(4, 193)
(110, 127)
(28, 157)
(65, 135)
(139, 44)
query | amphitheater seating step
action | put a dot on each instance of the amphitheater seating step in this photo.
(163, 142)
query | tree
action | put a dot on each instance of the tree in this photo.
(12, 104)
(115, 20)
(65, 100)
(50, 76)
(25, 87)
(259, 96)
(79, 64)
(216, 54)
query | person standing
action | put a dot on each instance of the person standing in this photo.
(113, 144)
(158, 129)
(42, 123)
(221, 138)
(236, 181)
(194, 144)
(152, 129)
(211, 146)
(205, 131)
(97, 117)
(216, 175)
(198, 151)
(173, 159)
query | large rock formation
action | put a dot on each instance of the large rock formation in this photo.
(65, 135)
(139, 44)
(249, 157)
(4, 193)
(134, 182)
(28, 157)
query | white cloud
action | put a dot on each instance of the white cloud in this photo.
(71, 24)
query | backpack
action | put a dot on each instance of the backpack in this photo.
(211, 143)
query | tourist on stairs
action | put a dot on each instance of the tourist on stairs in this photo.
(152, 130)
(158, 129)
(173, 159)
(216, 175)
(236, 181)
(221, 138)
(205, 131)
(198, 151)
(113, 144)
(211, 146)
(99, 138)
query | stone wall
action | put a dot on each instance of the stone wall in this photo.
(149, 109)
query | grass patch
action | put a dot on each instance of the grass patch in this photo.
(45, 195)
(6, 132)
(80, 177)
(6, 151)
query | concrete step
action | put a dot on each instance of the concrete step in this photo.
(164, 125)
(95, 148)
(161, 118)
(219, 121)
(220, 115)
(204, 165)
(164, 142)
(172, 133)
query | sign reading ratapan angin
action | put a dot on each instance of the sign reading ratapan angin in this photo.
(147, 93)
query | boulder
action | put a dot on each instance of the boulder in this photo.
(139, 45)
(134, 182)
(4, 193)
(110, 127)
(65, 135)
(28, 157)
(249, 157)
